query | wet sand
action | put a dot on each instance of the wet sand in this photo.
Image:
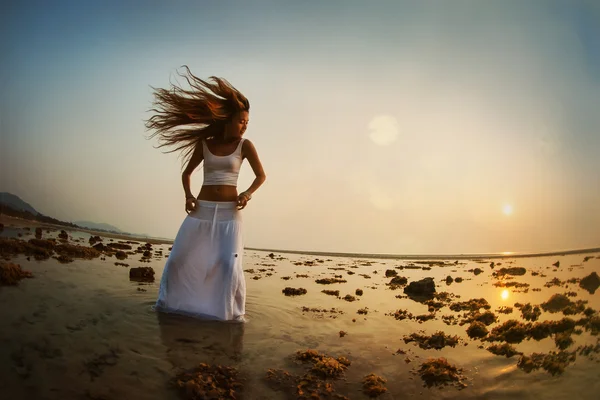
(82, 329)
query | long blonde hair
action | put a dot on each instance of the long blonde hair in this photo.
(183, 118)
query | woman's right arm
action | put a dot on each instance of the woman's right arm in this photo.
(195, 160)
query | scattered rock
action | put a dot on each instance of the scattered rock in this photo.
(288, 291)
(590, 282)
(503, 349)
(120, 246)
(390, 272)
(553, 362)
(11, 274)
(397, 281)
(438, 372)
(563, 340)
(437, 341)
(332, 292)
(422, 289)
(209, 382)
(144, 274)
(349, 298)
(373, 385)
(329, 281)
(515, 271)
(477, 330)
(529, 312)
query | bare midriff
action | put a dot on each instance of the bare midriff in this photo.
(218, 193)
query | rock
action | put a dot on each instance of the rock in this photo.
(100, 247)
(477, 330)
(425, 288)
(288, 291)
(359, 292)
(439, 372)
(390, 272)
(373, 385)
(518, 271)
(458, 279)
(590, 282)
(397, 281)
(556, 264)
(557, 303)
(94, 239)
(329, 281)
(63, 235)
(144, 274)
(121, 246)
(449, 280)
(121, 255)
(504, 349)
(11, 274)
(38, 232)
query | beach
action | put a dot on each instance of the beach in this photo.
(82, 327)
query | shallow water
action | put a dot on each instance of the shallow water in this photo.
(83, 330)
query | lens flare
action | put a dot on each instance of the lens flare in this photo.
(504, 294)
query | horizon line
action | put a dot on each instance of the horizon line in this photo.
(461, 256)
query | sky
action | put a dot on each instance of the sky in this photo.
(396, 127)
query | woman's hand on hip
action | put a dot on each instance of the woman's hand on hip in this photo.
(242, 200)
(190, 205)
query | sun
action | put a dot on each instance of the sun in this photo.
(507, 209)
(504, 294)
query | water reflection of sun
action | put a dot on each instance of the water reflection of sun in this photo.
(505, 293)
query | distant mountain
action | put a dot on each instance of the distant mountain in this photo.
(98, 225)
(15, 202)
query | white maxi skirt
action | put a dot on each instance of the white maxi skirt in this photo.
(203, 275)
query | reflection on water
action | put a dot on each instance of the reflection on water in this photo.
(190, 340)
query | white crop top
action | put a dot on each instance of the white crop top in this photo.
(222, 170)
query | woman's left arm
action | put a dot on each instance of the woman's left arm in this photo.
(249, 152)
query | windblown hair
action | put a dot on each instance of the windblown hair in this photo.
(183, 118)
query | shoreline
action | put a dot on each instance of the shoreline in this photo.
(5, 219)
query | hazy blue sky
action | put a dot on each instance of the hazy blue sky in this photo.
(385, 126)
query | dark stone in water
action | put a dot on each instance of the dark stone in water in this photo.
(145, 274)
(590, 282)
(425, 288)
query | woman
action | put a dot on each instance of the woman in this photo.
(203, 275)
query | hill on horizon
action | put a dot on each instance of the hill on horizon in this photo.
(11, 204)
(16, 203)
(98, 225)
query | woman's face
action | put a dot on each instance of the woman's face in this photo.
(239, 123)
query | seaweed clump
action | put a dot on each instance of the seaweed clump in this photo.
(553, 362)
(438, 372)
(209, 382)
(11, 274)
(373, 385)
(503, 349)
(289, 291)
(437, 341)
